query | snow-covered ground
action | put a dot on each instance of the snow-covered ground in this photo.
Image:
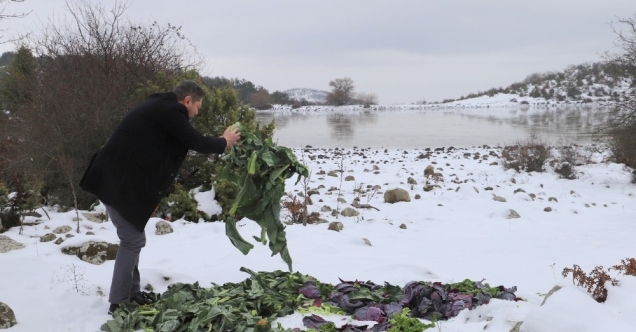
(499, 101)
(453, 232)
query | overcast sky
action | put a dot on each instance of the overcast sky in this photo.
(402, 50)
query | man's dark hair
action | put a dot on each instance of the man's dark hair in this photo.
(188, 88)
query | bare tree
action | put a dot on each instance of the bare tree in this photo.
(88, 72)
(342, 90)
(367, 99)
(620, 129)
(5, 15)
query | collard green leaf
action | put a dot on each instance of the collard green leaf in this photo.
(263, 168)
(235, 237)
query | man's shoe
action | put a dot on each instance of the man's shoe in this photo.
(141, 299)
(112, 308)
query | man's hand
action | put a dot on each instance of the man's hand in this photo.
(231, 136)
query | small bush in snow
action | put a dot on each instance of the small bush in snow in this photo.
(529, 155)
(180, 204)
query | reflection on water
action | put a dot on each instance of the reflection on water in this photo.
(461, 128)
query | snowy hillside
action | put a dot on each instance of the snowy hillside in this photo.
(585, 83)
(310, 95)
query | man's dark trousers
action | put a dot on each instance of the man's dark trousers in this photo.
(126, 280)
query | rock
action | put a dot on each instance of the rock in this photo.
(494, 163)
(431, 187)
(7, 244)
(59, 241)
(520, 191)
(336, 226)
(313, 192)
(403, 226)
(62, 229)
(376, 168)
(48, 237)
(533, 196)
(349, 212)
(68, 236)
(488, 188)
(429, 171)
(411, 180)
(163, 227)
(7, 317)
(547, 209)
(333, 173)
(552, 199)
(396, 195)
(93, 252)
(90, 233)
(417, 196)
(350, 178)
(341, 200)
(517, 327)
(498, 198)
(96, 217)
(512, 214)
(325, 208)
(366, 241)
(513, 180)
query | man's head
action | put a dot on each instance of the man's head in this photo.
(190, 94)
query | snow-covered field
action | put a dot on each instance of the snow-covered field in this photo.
(453, 232)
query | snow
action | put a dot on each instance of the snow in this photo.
(497, 101)
(310, 95)
(452, 233)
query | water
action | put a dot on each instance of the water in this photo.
(434, 128)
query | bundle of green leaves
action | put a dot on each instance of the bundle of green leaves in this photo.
(254, 304)
(260, 168)
(248, 306)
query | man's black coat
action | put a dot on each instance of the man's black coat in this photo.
(140, 160)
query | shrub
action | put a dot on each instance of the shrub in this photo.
(226, 192)
(594, 283)
(566, 171)
(627, 267)
(71, 85)
(298, 211)
(529, 156)
(25, 199)
(568, 156)
(180, 204)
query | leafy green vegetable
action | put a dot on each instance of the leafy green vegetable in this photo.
(249, 306)
(405, 323)
(255, 303)
(263, 168)
(470, 287)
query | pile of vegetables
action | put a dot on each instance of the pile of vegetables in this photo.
(253, 304)
(263, 168)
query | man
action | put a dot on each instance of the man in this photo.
(131, 173)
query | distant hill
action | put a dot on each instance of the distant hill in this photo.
(585, 83)
(310, 95)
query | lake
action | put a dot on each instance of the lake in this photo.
(433, 128)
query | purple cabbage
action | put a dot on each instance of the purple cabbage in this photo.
(369, 313)
(314, 321)
(309, 290)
